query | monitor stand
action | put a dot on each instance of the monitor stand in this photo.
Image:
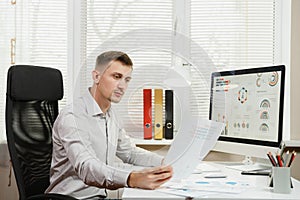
(249, 165)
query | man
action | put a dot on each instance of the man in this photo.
(87, 138)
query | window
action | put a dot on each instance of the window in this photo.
(229, 34)
(35, 33)
(237, 33)
(234, 34)
(6, 40)
(127, 26)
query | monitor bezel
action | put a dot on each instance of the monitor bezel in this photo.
(281, 103)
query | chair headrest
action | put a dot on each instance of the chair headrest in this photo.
(26, 83)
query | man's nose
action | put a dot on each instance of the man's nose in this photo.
(122, 84)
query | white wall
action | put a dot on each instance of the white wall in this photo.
(295, 73)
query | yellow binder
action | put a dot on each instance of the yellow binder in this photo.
(158, 114)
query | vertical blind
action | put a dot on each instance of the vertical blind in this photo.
(39, 28)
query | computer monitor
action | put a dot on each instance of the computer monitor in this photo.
(250, 103)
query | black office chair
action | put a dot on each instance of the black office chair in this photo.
(31, 109)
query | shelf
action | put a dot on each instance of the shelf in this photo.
(151, 142)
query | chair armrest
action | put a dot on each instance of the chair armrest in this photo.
(51, 196)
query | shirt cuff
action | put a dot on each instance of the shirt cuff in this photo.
(157, 160)
(121, 177)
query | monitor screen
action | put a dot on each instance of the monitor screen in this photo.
(250, 103)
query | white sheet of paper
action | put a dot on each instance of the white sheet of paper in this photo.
(195, 138)
(225, 186)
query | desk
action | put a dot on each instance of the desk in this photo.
(259, 191)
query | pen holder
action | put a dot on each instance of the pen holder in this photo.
(281, 180)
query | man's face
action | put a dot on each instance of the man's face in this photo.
(114, 82)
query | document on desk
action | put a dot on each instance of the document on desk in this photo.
(201, 187)
(195, 138)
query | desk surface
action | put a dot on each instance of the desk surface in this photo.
(259, 189)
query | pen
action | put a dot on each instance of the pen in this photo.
(271, 158)
(279, 161)
(292, 158)
(285, 158)
(281, 148)
(288, 158)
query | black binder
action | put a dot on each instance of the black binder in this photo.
(169, 124)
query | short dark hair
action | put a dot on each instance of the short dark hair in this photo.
(106, 57)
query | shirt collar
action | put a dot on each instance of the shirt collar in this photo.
(93, 108)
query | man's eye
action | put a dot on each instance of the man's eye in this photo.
(117, 76)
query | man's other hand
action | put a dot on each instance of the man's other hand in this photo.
(150, 178)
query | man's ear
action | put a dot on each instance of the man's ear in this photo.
(96, 76)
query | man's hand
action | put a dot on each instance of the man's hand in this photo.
(150, 178)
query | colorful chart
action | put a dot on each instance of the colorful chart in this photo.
(265, 103)
(273, 79)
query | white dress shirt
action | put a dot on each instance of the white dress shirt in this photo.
(85, 146)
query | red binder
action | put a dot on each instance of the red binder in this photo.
(147, 93)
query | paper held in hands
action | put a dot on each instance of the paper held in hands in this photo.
(195, 138)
